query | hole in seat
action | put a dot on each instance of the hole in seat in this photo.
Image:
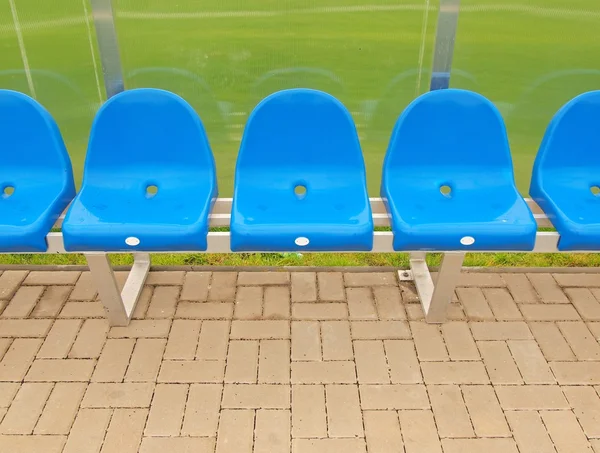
(151, 190)
(7, 191)
(300, 191)
(446, 190)
(595, 190)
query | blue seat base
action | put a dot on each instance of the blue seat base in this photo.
(283, 238)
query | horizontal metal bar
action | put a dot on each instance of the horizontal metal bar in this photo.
(218, 242)
(221, 213)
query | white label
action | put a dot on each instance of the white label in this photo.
(132, 241)
(301, 241)
(467, 240)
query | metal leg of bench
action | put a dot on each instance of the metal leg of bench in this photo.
(435, 296)
(119, 305)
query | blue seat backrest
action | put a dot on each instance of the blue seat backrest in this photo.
(297, 134)
(31, 145)
(145, 133)
(572, 142)
(446, 133)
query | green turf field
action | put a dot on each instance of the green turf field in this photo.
(223, 56)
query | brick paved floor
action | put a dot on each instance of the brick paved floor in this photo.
(301, 362)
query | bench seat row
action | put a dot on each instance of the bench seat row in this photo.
(150, 181)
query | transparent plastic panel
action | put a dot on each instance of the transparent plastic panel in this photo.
(224, 56)
(49, 52)
(529, 58)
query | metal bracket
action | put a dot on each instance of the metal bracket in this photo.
(119, 305)
(435, 296)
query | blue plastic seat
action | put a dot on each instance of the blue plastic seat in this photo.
(35, 176)
(149, 179)
(300, 179)
(566, 173)
(448, 179)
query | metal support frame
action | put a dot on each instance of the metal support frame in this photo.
(435, 295)
(444, 44)
(119, 304)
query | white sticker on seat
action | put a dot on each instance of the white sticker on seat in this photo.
(467, 240)
(132, 241)
(301, 241)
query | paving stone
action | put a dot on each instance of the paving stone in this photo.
(306, 340)
(202, 410)
(190, 371)
(475, 304)
(85, 288)
(308, 411)
(382, 431)
(529, 432)
(142, 328)
(143, 303)
(481, 279)
(371, 363)
(520, 288)
(8, 390)
(260, 330)
(485, 412)
(236, 432)
(163, 302)
(576, 373)
(212, 342)
(124, 433)
(479, 445)
(328, 445)
(183, 340)
(248, 302)
(83, 310)
(10, 281)
(304, 287)
(501, 331)
(128, 394)
(361, 304)
(31, 444)
(370, 279)
(499, 363)
(51, 302)
(502, 304)
(393, 397)
(274, 362)
(531, 362)
(402, 361)
(222, 287)
(61, 408)
(276, 302)
(319, 311)
(459, 341)
(331, 286)
(23, 302)
(584, 301)
(166, 410)
(114, 360)
(581, 340)
(578, 279)
(272, 431)
(565, 432)
(548, 289)
(66, 370)
(428, 341)
(531, 397)
(26, 408)
(256, 396)
(90, 340)
(454, 373)
(419, 432)
(48, 278)
(19, 357)
(450, 411)
(344, 418)
(549, 312)
(145, 360)
(586, 406)
(263, 278)
(60, 339)
(341, 372)
(165, 278)
(195, 286)
(88, 431)
(177, 445)
(242, 362)
(380, 330)
(551, 341)
(388, 301)
(24, 328)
